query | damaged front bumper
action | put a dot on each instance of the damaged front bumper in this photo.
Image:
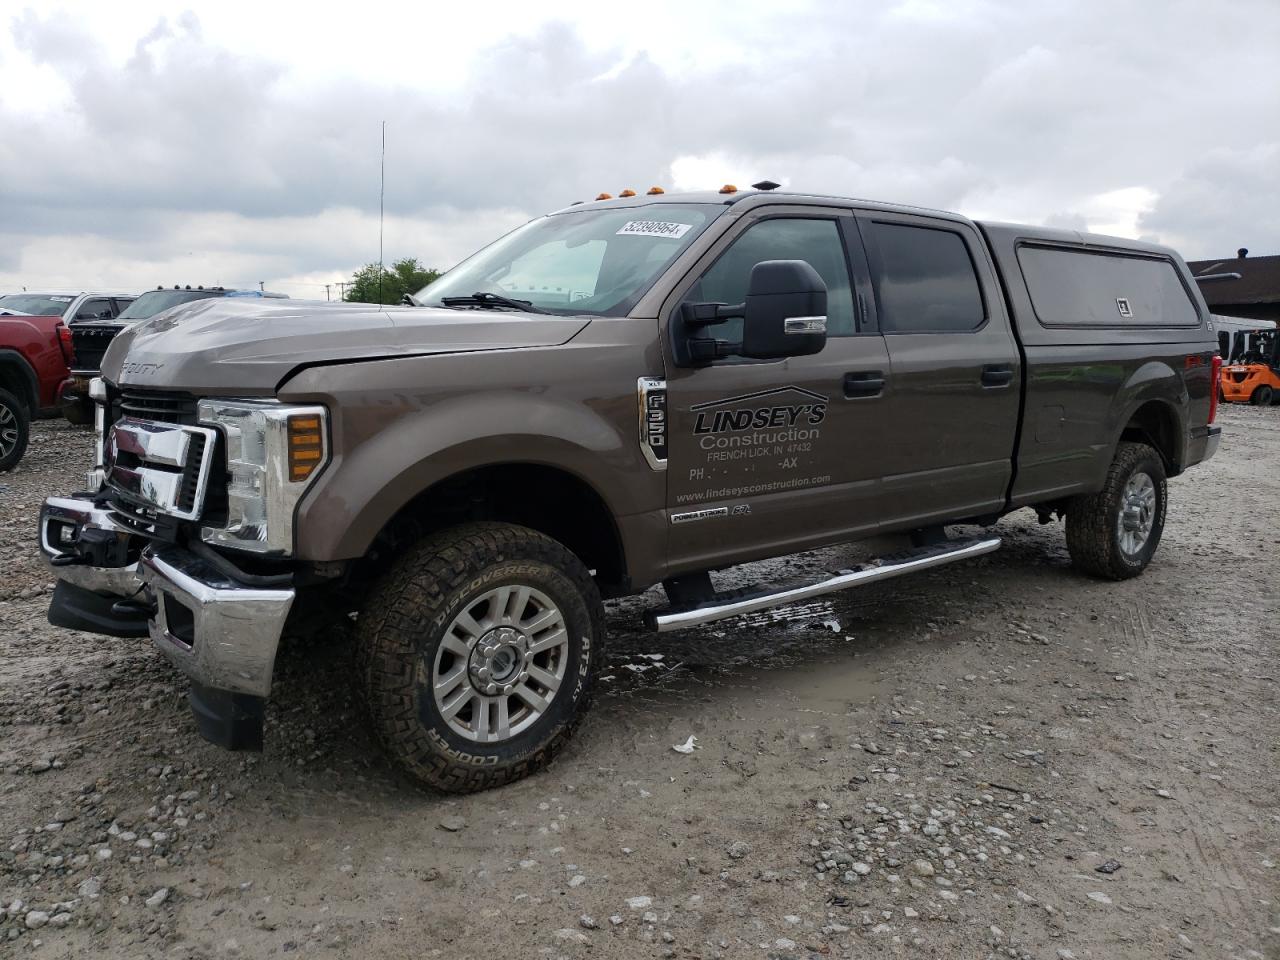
(219, 631)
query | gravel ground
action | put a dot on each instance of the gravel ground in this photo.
(999, 758)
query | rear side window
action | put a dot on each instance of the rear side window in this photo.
(924, 279)
(95, 310)
(1071, 288)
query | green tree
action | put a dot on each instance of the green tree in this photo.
(403, 276)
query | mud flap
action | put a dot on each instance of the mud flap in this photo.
(232, 721)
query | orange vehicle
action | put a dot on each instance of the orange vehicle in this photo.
(1253, 376)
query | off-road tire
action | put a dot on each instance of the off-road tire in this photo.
(16, 423)
(404, 621)
(1093, 537)
(1264, 396)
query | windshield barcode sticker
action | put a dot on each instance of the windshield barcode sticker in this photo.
(654, 228)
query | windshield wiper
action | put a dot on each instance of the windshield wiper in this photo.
(483, 298)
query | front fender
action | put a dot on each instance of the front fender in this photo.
(393, 438)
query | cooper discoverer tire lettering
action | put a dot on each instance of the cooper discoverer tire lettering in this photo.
(1114, 533)
(479, 650)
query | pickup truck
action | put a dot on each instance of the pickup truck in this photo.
(35, 349)
(90, 338)
(628, 392)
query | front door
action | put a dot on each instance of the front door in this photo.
(770, 457)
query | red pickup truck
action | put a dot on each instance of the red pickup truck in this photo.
(35, 358)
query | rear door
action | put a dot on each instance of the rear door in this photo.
(767, 457)
(955, 373)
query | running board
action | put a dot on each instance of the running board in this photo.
(910, 561)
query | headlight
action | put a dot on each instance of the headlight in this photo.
(274, 451)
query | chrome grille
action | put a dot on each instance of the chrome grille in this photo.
(156, 469)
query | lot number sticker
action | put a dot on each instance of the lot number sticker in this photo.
(654, 228)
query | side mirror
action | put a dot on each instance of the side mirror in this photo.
(784, 315)
(786, 311)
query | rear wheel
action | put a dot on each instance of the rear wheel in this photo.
(480, 648)
(15, 426)
(1114, 533)
(1263, 396)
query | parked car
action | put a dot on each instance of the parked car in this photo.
(67, 307)
(34, 352)
(90, 338)
(623, 393)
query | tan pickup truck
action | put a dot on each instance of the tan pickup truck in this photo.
(623, 393)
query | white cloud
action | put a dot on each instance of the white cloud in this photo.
(239, 143)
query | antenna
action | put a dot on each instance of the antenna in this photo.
(382, 192)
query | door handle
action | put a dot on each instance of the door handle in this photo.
(997, 375)
(863, 383)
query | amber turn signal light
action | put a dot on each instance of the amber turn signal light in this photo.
(605, 196)
(728, 188)
(655, 191)
(306, 446)
(627, 193)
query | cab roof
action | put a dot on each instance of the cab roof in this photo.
(750, 197)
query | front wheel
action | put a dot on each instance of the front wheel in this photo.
(1263, 396)
(1114, 533)
(480, 648)
(15, 427)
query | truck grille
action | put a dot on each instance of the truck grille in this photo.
(90, 342)
(159, 405)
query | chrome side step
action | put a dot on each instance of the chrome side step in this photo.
(910, 562)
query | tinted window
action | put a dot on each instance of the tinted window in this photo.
(93, 309)
(1073, 287)
(924, 279)
(153, 301)
(816, 241)
(35, 304)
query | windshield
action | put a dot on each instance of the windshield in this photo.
(590, 261)
(153, 301)
(36, 304)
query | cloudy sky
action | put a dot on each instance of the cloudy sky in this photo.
(233, 142)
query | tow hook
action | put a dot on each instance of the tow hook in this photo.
(134, 608)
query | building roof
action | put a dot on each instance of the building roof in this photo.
(1258, 281)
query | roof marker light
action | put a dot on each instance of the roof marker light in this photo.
(655, 191)
(728, 188)
(765, 185)
(627, 193)
(605, 196)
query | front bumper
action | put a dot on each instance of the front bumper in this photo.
(221, 633)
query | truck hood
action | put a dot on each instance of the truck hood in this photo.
(249, 347)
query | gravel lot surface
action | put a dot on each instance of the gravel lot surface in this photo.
(999, 758)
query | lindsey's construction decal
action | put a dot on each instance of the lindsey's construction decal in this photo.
(756, 443)
(756, 419)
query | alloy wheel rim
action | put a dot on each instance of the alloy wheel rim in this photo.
(501, 663)
(1137, 513)
(8, 431)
